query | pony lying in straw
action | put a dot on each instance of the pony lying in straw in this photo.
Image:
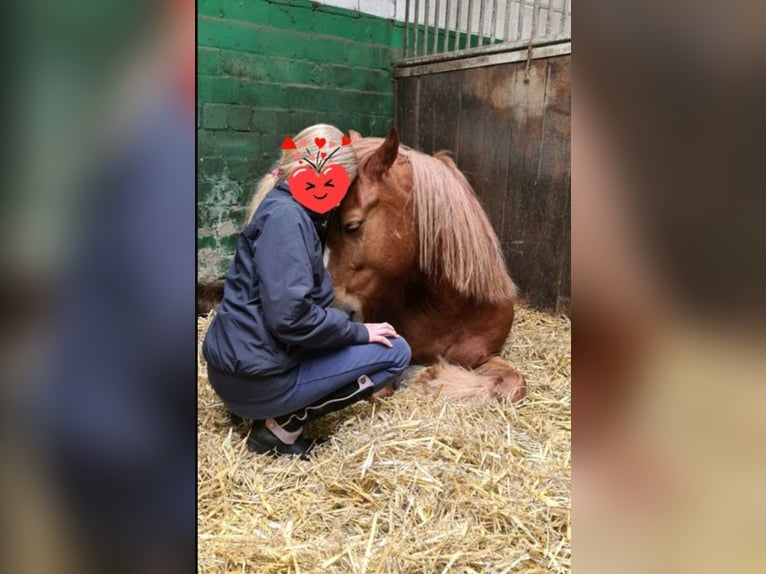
(411, 245)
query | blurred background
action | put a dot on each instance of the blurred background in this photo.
(668, 287)
(98, 443)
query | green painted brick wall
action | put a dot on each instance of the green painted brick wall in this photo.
(267, 69)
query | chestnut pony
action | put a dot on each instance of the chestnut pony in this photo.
(410, 244)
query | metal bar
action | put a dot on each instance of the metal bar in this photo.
(436, 28)
(483, 50)
(468, 25)
(507, 31)
(445, 44)
(425, 29)
(548, 19)
(493, 23)
(481, 22)
(520, 23)
(416, 20)
(456, 47)
(500, 57)
(565, 9)
(535, 16)
(406, 25)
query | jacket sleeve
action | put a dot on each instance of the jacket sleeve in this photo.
(283, 265)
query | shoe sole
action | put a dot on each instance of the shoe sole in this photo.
(273, 451)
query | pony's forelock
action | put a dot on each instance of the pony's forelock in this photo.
(456, 240)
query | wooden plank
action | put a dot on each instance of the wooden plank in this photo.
(555, 162)
(429, 97)
(441, 131)
(473, 93)
(407, 109)
(524, 232)
(496, 143)
(488, 56)
(551, 177)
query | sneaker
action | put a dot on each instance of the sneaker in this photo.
(263, 441)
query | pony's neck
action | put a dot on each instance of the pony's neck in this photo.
(420, 295)
(401, 297)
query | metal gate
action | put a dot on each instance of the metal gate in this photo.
(434, 27)
(489, 81)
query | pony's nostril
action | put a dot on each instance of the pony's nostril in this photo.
(352, 314)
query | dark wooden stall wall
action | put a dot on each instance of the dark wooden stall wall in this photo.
(511, 138)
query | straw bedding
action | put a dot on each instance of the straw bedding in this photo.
(411, 484)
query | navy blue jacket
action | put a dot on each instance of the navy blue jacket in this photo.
(277, 295)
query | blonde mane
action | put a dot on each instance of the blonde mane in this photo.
(457, 242)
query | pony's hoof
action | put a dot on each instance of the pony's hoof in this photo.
(383, 393)
(518, 389)
(518, 393)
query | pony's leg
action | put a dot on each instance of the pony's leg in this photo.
(409, 373)
(385, 391)
(509, 383)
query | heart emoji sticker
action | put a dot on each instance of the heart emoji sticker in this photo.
(320, 142)
(319, 191)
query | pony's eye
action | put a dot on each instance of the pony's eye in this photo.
(352, 226)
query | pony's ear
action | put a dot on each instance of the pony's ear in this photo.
(354, 135)
(385, 156)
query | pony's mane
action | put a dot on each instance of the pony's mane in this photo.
(457, 242)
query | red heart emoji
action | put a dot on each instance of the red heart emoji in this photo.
(319, 192)
(320, 142)
(323, 154)
(345, 141)
(288, 143)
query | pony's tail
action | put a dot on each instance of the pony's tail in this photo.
(264, 186)
(209, 295)
(467, 385)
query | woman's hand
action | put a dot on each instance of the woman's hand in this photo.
(379, 332)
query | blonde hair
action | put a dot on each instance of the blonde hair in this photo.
(345, 157)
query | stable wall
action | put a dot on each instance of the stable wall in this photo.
(512, 140)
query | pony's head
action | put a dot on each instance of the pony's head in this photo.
(372, 240)
(411, 217)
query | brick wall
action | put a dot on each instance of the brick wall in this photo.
(267, 69)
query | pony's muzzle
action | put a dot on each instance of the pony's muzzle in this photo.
(518, 388)
(349, 305)
(351, 312)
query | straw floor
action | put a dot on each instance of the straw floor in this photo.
(412, 484)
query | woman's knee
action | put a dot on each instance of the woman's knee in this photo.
(403, 352)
